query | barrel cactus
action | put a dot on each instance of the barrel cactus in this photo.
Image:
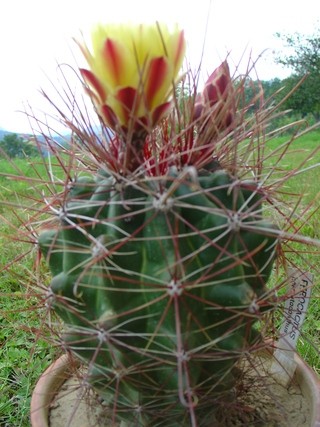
(160, 258)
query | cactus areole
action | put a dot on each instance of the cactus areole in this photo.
(159, 274)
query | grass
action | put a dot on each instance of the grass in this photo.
(25, 353)
(22, 356)
(305, 183)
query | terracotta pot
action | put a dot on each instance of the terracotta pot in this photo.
(46, 388)
(310, 385)
(55, 376)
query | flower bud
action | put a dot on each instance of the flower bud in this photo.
(214, 107)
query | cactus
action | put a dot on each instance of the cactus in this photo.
(160, 284)
(160, 264)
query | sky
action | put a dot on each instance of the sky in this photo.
(37, 35)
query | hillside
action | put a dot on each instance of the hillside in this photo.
(59, 139)
(3, 132)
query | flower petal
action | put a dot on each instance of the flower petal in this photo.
(128, 100)
(113, 59)
(109, 116)
(159, 112)
(197, 111)
(91, 80)
(157, 74)
(180, 50)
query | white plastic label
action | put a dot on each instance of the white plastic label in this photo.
(299, 287)
(296, 306)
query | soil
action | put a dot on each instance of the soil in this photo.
(74, 407)
(259, 401)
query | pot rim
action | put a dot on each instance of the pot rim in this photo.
(61, 369)
(47, 387)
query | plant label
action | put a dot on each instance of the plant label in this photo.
(296, 305)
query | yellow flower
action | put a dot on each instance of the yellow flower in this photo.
(132, 71)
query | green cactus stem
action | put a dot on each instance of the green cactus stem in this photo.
(160, 283)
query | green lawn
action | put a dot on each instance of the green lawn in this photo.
(303, 191)
(24, 350)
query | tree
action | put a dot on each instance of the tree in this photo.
(304, 60)
(14, 146)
